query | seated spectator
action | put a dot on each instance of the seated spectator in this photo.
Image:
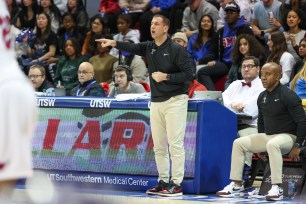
(27, 16)
(193, 13)
(51, 9)
(181, 39)
(300, 63)
(69, 30)
(124, 22)
(110, 10)
(245, 12)
(288, 5)
(123, 82)
(279, 53)
(97, 27)
(14, 10)
(246, 45)
(281, 130)
(298, 83)
(76, 7)
(136, 64)
(44, 45)
(103, 63)
(88, 86)
(265, 19)
(203, 45)
(134, 8)
(241, 97)
(226, 36)
(67, 67)
(37, 75)
(294, 26)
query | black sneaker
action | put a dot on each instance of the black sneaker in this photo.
(172, 190)
(248, 184)
(157, 189)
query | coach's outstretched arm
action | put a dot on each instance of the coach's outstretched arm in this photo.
(106, 42)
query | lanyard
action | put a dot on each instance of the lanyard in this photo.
(81, 93)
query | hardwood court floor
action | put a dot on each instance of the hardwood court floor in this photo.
(98, 196)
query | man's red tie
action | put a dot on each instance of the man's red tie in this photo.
(246, 84)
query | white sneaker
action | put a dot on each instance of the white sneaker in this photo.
(255, 194)
(231, 190)
(275, 193)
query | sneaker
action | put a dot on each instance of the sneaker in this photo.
(172, 190)
(231, 190)
(275, 193)
(156, 190)
(254, 192)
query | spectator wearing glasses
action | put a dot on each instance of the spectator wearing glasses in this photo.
(241, 97)
(88, 85)
(37, 75)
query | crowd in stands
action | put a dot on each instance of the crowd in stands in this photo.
(59, 36)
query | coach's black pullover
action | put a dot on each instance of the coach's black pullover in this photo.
(281, 111)
(169, 58)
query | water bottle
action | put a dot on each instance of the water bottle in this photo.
(291, 188)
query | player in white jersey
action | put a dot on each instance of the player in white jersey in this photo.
(17, 113)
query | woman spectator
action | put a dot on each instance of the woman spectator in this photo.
(97, 27)
(110, 9)
(27, 16)
(68, 30)
(301, 62)
(280, 55)
(44, 45)
(124, 22)
(288, 5)
(246, 45)
(78, 10)
(136, 64)
(51, 9)
(14, 10)
(103, 63)
(203, 45)
(298, 84)
(294, 27)
(66, 73)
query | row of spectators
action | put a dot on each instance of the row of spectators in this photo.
(62, 42)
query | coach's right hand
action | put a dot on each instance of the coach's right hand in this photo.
(106, 42)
